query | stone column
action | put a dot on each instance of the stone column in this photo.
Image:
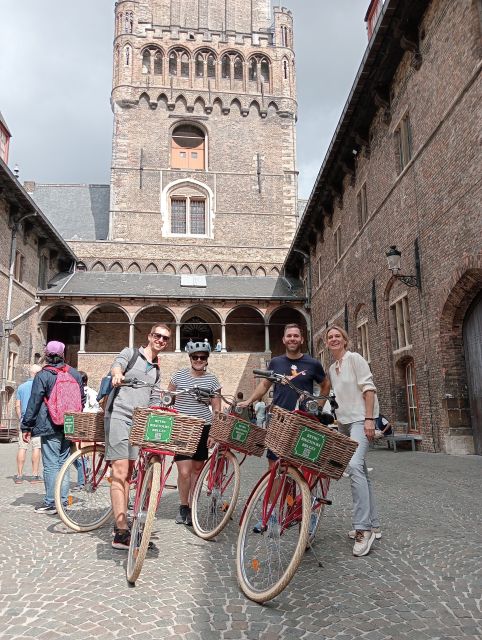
(178, 338)
(82, 338)
(223, 337)
(266, 338)
(131, 335)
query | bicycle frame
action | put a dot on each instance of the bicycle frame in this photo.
(144, 457)
(216, 467)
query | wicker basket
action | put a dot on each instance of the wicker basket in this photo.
(238, 434)
(165, 431)
(84, 426)
(305, 442)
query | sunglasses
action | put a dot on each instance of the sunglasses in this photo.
(160, 336)
(203, 358)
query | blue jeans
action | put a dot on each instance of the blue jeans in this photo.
(365, 515)
(55, 451)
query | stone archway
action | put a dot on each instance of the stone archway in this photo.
(200, 323)
(472, 338)
(278, 320)
(62, 322)
(106, 329)
(245, 330)
(457, 425)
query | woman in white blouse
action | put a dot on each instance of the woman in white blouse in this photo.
(352, 383)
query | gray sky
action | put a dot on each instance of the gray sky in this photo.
(55, 81)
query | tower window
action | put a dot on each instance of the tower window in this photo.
(211, 66)
(188, 215)
(199, 65)
(403, 137)
(129, 22)
(187, 148)
(259, 67)
(226, 67)
(158, 63)
(179, 63)
(146, 61)
(253, 69)
(285, 69)
(238, 68)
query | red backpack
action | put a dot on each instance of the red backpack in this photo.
(65, 395)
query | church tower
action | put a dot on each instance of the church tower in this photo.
(203, 165)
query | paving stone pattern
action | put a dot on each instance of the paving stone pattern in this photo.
(421, 581)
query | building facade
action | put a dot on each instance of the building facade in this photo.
(203, 197)
(32, 253)
(404, 169)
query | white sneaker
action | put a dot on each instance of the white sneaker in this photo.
(363, 542)
(376, 530)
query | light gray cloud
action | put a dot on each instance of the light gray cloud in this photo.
(55, 81)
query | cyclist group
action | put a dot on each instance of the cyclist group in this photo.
(349, 377)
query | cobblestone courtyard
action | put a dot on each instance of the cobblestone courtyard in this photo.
(421, 581)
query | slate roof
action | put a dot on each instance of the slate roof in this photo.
(77, 211)
(161, 285)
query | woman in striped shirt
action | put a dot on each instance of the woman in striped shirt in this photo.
(189, 467)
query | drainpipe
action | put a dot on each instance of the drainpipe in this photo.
(8, 324)
(307, 263)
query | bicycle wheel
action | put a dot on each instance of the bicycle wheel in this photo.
(215, 494)
(82, 490)
(267, 561)
(143, 521)
(319, 493)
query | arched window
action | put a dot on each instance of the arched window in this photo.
(184, 65)
(199, 66)
(127, 54)
(146, 61)
(158, 63)
(253, 69)
(188, 214)
(226, 67)
(129, 22)
(264, 65)
(13, 353)
(412, 402)
(238, 68)
(187, 147)
(173, 64)
(285, 69)
(211, 66)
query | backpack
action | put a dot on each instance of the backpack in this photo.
(65, 395)
(106, 387)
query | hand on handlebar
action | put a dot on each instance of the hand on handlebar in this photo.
(117, 379)
(243, 404)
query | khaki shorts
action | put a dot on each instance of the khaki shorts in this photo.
(35, 442)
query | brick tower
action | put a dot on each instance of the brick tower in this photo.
(204, 104)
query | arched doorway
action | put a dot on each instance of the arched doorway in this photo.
(62, 322)
(278, 320)
(472, 339)
(245, 330)
(147, 318)
(106, 330)
(200, 323)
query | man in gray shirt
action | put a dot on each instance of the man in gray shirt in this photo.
(118, 420)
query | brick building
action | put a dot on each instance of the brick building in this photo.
(202, 205)
(32, 253)
(403, 169)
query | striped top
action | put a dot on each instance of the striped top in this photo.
(183, 379)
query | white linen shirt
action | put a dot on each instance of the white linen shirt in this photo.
(352, 380)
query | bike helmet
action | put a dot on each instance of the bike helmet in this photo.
(198, 347)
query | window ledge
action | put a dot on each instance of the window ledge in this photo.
(397, 352)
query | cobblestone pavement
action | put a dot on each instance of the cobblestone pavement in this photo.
(421, 581)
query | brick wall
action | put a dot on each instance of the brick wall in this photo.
(436, 200)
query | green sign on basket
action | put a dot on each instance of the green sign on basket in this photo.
(309, 444)
(240, 431)
(69, 426)
(159, 428)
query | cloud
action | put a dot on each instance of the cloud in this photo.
(56, 74)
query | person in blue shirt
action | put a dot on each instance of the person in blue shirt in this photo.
(22, 397)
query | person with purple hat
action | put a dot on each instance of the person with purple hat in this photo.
(43, 416)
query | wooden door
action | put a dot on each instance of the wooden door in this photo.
(472, 336)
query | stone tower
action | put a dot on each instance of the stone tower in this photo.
(204, 102)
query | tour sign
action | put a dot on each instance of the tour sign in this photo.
(69, 427)
(309, 445)
(159, 428)
(240, 431)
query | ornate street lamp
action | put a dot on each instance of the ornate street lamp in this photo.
(394, 261)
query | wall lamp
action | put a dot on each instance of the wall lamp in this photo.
(394, 260)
